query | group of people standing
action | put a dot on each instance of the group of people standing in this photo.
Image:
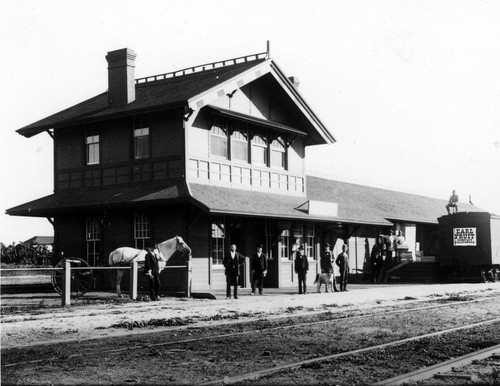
(327, 260)
(342, 261)
(233, 261)
(384, 255)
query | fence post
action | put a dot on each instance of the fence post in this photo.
(188, 278)
(66, 284)
(247, 272)
(134, 267)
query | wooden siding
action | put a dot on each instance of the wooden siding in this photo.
(168, 222)
(288, 278)
(218, 281)
(167, 134)
(200, 274)
(70, 237)
(118, 231)
(296, 157)
(199, 242)
(69, 149)
(117, 164)
(198, 137)
(116, 141)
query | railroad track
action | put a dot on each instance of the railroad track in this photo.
(269, 371)
(186, 352)
(344, 316)
(446, 368)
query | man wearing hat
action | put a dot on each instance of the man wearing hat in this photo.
(152, 272)
(232, 261)
(327, 265)
(301, 268)
(343, 263)
(259, 269)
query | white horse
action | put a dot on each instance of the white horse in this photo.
(163, 252)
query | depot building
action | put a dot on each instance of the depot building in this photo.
(215, 154)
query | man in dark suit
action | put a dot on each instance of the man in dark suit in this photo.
(152, 272)
(301, 268)
(231, 262)
(259, 269)
(343, 263)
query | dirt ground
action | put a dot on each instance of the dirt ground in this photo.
(92, 316)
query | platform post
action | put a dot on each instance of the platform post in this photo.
(133, 282)
(66, 284)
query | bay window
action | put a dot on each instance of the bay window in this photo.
(278, 153)
(259, 149)
(218, 141)
(239, 146)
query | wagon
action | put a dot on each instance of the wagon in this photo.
(469, 246)
(82, 277)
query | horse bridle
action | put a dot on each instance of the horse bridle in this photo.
(181, 247)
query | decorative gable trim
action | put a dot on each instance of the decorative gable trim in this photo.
(268, 66)
(200, 100)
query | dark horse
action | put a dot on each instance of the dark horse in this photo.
(163, 252)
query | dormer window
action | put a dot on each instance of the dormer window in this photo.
(92, 145)
(278, 153)
(141, 143)
(218, 141)
(259, 149)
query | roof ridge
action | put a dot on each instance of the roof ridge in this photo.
(203, 67)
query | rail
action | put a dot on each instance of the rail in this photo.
(202, 67)
(133, 277)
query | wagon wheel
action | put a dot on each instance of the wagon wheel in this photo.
(82, 280)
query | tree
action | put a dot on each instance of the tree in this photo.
(25, 254)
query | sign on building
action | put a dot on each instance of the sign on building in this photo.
(465, 237)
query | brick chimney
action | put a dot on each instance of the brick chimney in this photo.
(121, 77)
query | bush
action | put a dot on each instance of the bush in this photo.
(25, 254)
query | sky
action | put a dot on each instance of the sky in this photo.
(409, 89)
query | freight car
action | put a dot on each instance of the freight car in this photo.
(469, 244)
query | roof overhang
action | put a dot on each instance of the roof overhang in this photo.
(219, 111)
(96, 116)
(71, 201)
(238, 202)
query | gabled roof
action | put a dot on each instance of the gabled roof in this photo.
(187, 89)
(174, 91)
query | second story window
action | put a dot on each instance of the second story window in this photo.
(259, 149)
(218, 142)
(278, 158)
(92, 145)
(141, 143)
(239, 146)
